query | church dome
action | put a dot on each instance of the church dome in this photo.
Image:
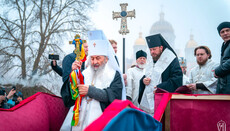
(140, 40)
(191, 43)
(165, 29)
(161, 26)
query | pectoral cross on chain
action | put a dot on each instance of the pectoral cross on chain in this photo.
(123, 15)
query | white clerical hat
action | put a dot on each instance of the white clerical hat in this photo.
(98, 43)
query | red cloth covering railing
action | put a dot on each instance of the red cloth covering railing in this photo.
(193, 112)
(40, 112)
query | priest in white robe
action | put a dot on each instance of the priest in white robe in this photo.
(133, 77)
(202, 80)
(163, 72)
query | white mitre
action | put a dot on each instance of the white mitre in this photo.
(98, 45)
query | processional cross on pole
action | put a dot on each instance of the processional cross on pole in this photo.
(124, 29)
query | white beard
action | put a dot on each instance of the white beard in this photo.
(102, 77)
(99, 68)
(141, 65)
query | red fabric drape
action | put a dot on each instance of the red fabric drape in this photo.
(40, 112)
(111, 111)
(194, 114)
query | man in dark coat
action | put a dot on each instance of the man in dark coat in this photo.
(67, 65)
(66, 70)
(162, 71)
(69, 59)
(222, 72)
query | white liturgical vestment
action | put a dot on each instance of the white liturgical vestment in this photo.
(91, 110)
(185, 80)
(133, 82)
(154, 71)
(204, 74)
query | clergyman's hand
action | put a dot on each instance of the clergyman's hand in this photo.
(76, 65)
(146, 81)
(83, 89)
(192, 86)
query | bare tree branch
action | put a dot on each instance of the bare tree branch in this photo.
(38, 27)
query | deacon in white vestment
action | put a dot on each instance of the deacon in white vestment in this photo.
(202, 80)
(162, 71)
(103, 81)
(133, 77)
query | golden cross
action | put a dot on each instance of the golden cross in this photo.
(77, 45)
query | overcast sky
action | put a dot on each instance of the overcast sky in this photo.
(201, 17)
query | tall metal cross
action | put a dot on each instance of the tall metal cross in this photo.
(124, 28)
(123, 15)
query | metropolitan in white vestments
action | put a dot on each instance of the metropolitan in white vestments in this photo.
(103, 81)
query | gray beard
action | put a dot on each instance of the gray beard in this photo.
(141, 65)
(99, 69)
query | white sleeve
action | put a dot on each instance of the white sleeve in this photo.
(129, 87)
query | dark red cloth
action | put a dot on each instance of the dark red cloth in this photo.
(111, 111)
(194, 114)
(161, 101)
(40, 112)
(183, 90)
(197, 115)
(162, 97)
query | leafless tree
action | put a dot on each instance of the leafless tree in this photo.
(31, 29)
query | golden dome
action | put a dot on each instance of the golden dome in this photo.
(140, 40)
(191, 43)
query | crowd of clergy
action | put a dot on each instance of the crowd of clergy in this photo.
(157, 70)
